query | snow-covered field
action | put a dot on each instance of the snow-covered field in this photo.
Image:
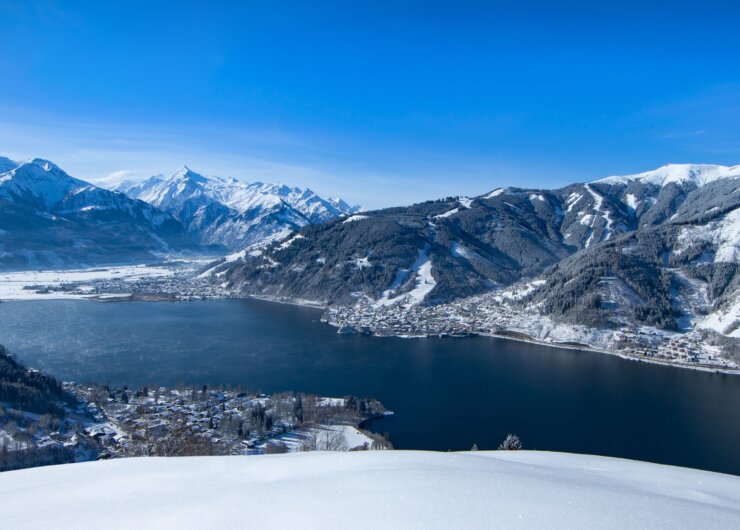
(375, 489)
(14, 285)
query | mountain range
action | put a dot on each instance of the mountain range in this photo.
(233, 213)
(659, 248)
(49, 219)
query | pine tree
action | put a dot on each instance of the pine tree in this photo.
(511, 443)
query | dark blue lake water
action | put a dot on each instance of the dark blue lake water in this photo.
(446, 393)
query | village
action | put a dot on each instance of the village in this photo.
(99, 422)
(200, 421)
(495, 315)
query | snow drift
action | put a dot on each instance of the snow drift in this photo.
(388, 489)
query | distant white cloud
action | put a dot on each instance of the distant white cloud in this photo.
(114, 179)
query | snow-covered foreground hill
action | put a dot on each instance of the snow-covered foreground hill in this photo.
(385, 489)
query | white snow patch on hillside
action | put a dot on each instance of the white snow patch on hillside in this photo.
(423, 285)
(536, 197)
(631, 201)
(447, 213)
(285, 244)
(425, 282)
(598, 203)
(354, 218)
(723, 233)
(725, 321)
(362, 263)
(518, 290)
(465, 202)
(461, 251)
(390, 489)
(572, 200)
(598, 199)
(494, 193)
(587, 219)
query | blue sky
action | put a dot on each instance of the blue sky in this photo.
(382, 103)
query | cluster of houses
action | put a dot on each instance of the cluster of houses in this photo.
(491, 314)
(149, 288)
(137, 422)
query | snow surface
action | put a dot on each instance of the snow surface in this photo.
(725, 321)
(465, 202)
(354, 218)
(373, 489)
(285, 244)
(724, 233)
(698, 174)
(424, 283)
(631, 201)
(12, 283)
(494, 193)
(447, 213)
(572, 200)
(536, 197)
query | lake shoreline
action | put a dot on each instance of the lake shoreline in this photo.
(511, 335)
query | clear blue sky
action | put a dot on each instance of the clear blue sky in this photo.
(383, 103)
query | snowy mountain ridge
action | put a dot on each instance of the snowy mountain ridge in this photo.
(235, 213)
(40, 181)
(51, 219)
(660, 249)
(697, 174)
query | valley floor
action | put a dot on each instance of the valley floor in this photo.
(170, 279)
(376, 489)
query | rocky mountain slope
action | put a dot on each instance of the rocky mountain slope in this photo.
(50, 219)
(471, 245)
(660, 248)
(6, 164)
(233, 213)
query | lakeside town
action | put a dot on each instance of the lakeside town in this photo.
(78, 423)
(495, 315)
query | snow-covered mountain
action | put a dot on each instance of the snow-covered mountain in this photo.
(234, 213)
(390, 489)
(679, 174)
(50, 219)
(6, 164)
(660, 248)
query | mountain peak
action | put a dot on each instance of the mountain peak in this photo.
(698, 174)
(185, 173)
(46, 165)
